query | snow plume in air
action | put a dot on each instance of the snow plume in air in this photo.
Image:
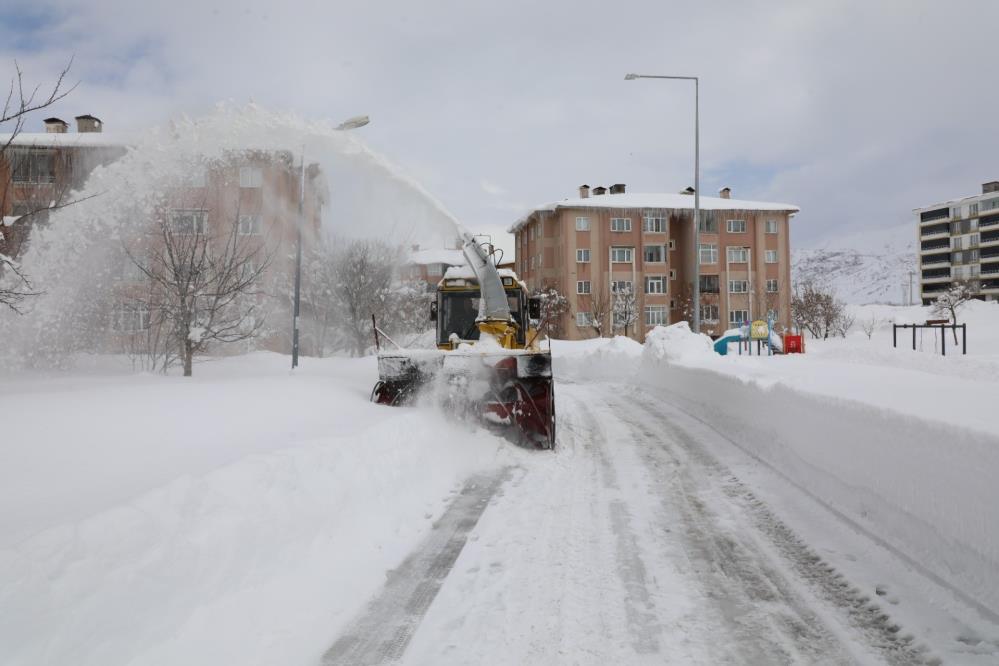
(77, 259)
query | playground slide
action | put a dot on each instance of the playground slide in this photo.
(721, 344)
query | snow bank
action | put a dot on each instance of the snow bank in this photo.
(675, 343)
(596, 359)
(909, 473)
(239, 517)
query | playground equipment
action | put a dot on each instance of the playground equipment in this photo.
(762, 332)
(934, 325)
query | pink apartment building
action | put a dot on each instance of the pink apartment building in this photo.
(625, 258)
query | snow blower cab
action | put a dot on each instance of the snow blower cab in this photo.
(488, 361)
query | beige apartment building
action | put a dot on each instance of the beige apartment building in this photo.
(625, 261)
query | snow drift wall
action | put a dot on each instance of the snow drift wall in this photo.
(925, 490)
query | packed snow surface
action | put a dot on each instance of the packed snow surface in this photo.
(831, 507)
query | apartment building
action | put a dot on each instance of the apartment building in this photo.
(254, 192)
(39, 170)
(959, 240)
(625, 261)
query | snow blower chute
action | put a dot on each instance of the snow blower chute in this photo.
(488, 361)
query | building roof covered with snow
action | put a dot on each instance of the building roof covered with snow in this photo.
(660, 201)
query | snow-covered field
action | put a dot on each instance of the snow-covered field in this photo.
(698, 509)
(237, 518)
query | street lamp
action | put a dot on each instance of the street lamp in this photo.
(349, 124)
(696, 317)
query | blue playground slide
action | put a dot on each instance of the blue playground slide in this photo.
(721, 344)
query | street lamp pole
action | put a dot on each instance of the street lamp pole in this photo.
(696, 282)
(349, 124)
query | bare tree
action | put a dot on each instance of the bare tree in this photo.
(364, 272)
(26, 204)
(203, 285)
(948, 303)
(554, 306)
(819, 311)
(870, 325)
(599, 307)
(625, 309)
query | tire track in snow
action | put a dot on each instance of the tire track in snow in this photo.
(874, 625)
(380, 635)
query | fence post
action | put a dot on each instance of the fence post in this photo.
(913, 337)
(943, 341)
(964, 339)
(894, 335)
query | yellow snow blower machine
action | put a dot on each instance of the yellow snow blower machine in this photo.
(488, 361)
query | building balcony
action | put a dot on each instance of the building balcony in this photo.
(932, 216)
(927, 247)
(990, 269)
(935, 259)
(935, 279)
(935, 229)
(988, 222)
(936, 287)
(989, 287)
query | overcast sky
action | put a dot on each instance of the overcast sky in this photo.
(855, 111)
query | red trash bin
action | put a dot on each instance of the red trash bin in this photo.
(793, 344)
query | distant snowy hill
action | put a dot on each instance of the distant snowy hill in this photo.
(866, 267)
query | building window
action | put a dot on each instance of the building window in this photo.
(583, 256)
(737, 255)
(771, 286)
(738, 286)
(738, 317)
(582, 224)
(249, 225)
(621, 286)
(129, 270)
(250, 176)
(620, 224)
(672, 244)
(33, 166)
(771, 256)
(130, 317)
(655, 284)
(672, 275)
(973, 210)
(622, 255)
(188, 222)
(655, 254)
(654, 225)
(772, 314)
(771, 226)
(435, 269)
(707, 224)
(736, 226)
(583, 319)
(709, 253)
(583, 287)
(655, 315)
(709, 312)
(708, 284)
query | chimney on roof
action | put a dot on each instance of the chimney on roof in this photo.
(990, 187)
(725, 193)
(55, 126)
(88, 123)
(415, 247)
(689, 190)
(584, 191)
(597, 191)
(617, 188)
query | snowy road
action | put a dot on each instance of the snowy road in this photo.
(632, 544)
